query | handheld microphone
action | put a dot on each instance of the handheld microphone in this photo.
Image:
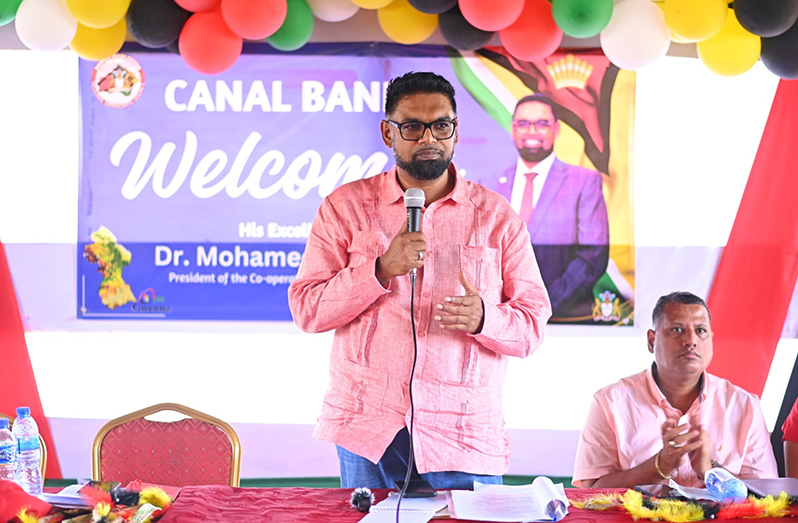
(414, 201)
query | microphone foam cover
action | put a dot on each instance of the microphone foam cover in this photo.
(414, 198)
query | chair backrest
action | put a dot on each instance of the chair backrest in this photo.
(41, 443)
(197, 450)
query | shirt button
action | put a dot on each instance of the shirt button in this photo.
(426, 295)
(428, 215)
(421, 334)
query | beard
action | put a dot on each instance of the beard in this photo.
(424, 170)
(536, 154)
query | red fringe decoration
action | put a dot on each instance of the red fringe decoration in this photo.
(95, 496)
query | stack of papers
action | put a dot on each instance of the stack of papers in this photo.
(68, 497)
(412, 510)
(540, 501)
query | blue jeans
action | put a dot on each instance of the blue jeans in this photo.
(357, 471)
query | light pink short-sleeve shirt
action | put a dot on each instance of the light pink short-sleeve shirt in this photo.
(624, 429)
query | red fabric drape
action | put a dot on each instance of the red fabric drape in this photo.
(756, 276)
(18, 382)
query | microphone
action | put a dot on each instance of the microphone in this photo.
(414, 201)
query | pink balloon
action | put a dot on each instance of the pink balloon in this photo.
(491, 15)
(254, 19)
(198, 6)
(207, 45)
(534, 35)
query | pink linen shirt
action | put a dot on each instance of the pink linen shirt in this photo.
(624, 429)
(457, 388)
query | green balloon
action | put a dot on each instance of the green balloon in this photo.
(297, 28)
(581, 18)
(8, 10)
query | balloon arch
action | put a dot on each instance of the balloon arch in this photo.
(209, 34)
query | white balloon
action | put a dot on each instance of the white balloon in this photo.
(637, 34)
(333, 10)
(45, 25)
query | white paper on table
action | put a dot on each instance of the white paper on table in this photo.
(412, 510)
(67, 497)
(405, 516)
(542, 486)
(507, 502)
(692, 492)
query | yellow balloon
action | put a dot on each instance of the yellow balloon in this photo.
(402, 23)
(732, 51)
(674, 37)
(371, 4)
(695, 20)
(98, 44)
(679, 40)
(98, 14)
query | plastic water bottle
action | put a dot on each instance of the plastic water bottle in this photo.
(724, 486)
(8, 452)
(29, 452)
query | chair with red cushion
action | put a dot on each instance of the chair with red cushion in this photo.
(196, 450)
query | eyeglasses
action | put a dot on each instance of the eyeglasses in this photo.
(541, 126)
(414, 131)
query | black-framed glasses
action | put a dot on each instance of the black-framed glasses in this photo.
(540, 126)
(414, 131)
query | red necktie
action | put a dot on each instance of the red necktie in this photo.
(528, 201)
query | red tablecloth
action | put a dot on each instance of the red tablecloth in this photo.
(305, 505)
(221, 504)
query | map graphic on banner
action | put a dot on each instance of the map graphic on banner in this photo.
(198, 192)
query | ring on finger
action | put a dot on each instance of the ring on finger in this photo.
(420, 255)
(674, 444)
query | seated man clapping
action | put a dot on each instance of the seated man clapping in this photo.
(673, 420)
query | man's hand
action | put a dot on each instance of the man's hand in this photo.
(407, 251)
(462, 313)
(700, 459)
(677, 442)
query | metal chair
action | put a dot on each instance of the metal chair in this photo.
(196, 450)
(42, 444)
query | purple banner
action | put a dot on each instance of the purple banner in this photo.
(197, 192)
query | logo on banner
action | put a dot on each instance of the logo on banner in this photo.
(607, 307)
(118, 81)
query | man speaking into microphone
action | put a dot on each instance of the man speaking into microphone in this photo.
(478, 299)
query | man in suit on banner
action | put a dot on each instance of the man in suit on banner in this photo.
(563, 206)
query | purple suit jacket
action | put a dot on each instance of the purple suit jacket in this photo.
(570, 234)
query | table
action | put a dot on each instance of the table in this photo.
(219, 503)
(214, 504)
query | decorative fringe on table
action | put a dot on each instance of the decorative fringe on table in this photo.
(145, 505)
(646, 507)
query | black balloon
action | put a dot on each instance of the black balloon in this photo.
(459, 33)
(780, 54)
(155, 23)
(433, 7)
(766, 18)
(174, 47)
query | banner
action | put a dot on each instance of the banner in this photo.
(198, 192)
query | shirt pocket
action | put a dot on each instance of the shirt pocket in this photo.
(366, 246)
(482, 266)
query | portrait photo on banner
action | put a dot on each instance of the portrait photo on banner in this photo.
(198, 192)
(570, 118)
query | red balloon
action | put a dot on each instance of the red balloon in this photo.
(491, 15)
(534, 35)
(208, 45)
(198, 6)
(254, 19)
